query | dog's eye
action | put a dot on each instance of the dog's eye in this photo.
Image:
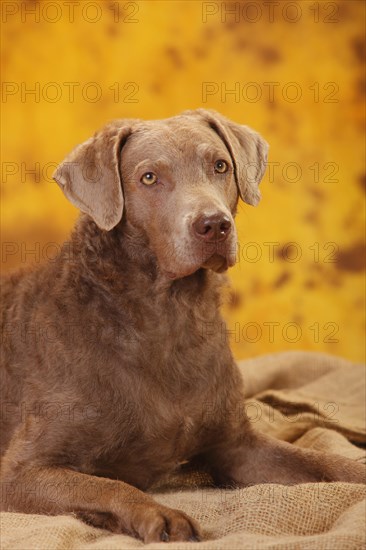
(221, 166)
(149, 178)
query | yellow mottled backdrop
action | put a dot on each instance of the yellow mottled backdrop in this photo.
(292, 70)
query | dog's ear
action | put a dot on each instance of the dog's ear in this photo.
(248, 151)
(90, 175)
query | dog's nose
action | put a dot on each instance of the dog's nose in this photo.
(212, 228)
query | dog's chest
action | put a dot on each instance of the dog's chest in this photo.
(170, 370)
(156, 440)
(162, 423)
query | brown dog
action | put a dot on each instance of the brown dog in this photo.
(108, 368)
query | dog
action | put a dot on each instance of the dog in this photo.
(107, 363)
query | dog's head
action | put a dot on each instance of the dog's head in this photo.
(177, 181)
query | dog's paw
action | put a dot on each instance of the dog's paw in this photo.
(156, 523)
(148, 522)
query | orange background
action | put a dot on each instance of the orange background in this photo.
(153, 59)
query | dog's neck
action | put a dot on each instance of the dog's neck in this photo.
(119, 260)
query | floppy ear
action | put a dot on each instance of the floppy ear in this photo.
(90, 176)
(248, 151)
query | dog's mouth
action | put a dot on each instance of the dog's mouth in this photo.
(219, 255)
(215, 256)
(217, 263)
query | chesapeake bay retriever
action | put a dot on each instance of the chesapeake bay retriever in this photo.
(112, 371)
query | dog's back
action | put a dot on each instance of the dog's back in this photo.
(17, 295)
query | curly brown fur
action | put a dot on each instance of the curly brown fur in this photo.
(114, 370)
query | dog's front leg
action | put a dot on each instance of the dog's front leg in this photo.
(257, 458)
(101, 502)
(30, 487)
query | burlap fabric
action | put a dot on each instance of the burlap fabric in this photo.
(312, 400)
